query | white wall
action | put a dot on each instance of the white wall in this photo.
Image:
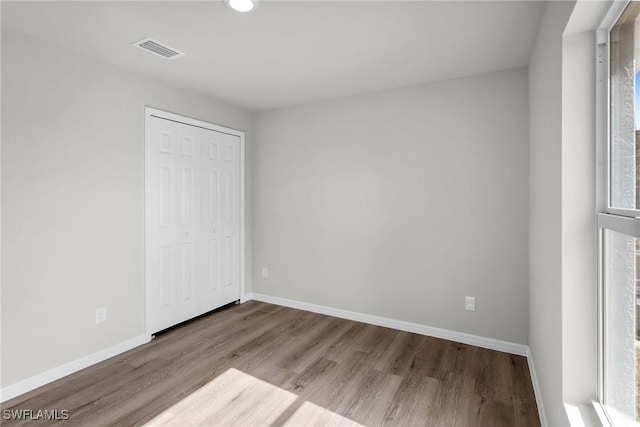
(579, 241)
(73, 200)
(545, 226)
(400, 203)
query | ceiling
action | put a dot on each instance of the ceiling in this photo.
(291, 52)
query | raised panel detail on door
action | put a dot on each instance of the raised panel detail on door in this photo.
(214, 264)
(214, 151)
(187, 195)
(187, 269)
(228, 196)
(165, 142)
(193, 221)
(165, 195)
(229, 261)
(212, 193)
(186, 148)
(165, 275)
(230, 153)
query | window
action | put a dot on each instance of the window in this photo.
(619, 215)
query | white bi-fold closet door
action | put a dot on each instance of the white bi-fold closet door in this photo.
(193, 220)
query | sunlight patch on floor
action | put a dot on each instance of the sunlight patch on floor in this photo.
(233, 398)
(313, 415)
(238, 399)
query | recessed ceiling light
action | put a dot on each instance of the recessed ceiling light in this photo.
(241, 5)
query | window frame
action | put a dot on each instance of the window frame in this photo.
(603, 122)
(625, 221)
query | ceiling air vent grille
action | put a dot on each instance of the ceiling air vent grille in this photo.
(158, 48)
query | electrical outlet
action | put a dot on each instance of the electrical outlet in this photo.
(470, 303)
(265, 272)
(101, 314)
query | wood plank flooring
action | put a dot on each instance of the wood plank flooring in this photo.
(260, 364)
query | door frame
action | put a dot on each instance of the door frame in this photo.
(154, 112)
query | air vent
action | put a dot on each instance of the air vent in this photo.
(158, 48)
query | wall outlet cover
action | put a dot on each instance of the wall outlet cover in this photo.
(101, 314)
(470, 303)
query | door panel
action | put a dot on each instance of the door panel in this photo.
(221, 216)
(174, 221)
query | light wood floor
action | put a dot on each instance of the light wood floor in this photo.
(261, 364)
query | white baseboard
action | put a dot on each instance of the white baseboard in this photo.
(46, 377)
(536, 389)
(490, 343)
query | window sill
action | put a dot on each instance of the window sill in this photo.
(602, 417)
(585, 415)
